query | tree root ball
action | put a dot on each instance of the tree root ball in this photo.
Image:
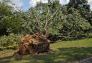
(33, 44)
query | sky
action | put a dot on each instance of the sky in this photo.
(26, 4)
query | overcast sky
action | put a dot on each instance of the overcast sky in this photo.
(26, 4)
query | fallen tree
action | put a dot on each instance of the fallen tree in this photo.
(34, 44)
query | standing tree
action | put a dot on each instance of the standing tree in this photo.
(79, 3)
(10, 21)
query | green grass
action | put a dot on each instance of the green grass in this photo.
(62, 52)
(76, 43)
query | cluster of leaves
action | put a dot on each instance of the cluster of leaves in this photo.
(47, 18)
(9, 21)
(9, 42)
(59, 20)
(74, 24)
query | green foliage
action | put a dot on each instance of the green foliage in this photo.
(57, 20)
(4, 12)
(46, 18)
(13, 23)
(9, 20)
(9, 42)
(51, 18)
(75, 25)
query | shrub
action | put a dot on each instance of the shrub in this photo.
(9, 42)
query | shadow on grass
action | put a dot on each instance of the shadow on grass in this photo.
(62, 55)
(5, 59)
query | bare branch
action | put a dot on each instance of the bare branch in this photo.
(47, 23)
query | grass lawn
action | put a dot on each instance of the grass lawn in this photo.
(62, 52)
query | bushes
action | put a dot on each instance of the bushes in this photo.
(74, 25)
(9, 42)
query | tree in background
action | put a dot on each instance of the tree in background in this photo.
(74, 24)
(10, 22)
(4, 12)
(79, 3)
(83, 7)
(47, 18)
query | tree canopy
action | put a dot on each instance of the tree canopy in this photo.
(73, 19)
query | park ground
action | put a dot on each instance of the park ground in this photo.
(62, 52)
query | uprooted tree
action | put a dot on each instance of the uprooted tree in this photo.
(33, 44)
(53, 18)
(41, 26)
(45, 18)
